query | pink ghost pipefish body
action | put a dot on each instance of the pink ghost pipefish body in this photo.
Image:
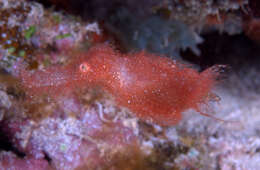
(154, 88)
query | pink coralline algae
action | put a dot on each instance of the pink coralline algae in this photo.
(71, 142)
(11, 161)
(154, 88)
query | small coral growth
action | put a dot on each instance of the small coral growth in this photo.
(143, 34)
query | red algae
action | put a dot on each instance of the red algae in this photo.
(154, 88)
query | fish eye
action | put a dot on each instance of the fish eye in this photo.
(84, 67)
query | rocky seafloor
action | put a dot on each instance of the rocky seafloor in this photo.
(88, 130)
